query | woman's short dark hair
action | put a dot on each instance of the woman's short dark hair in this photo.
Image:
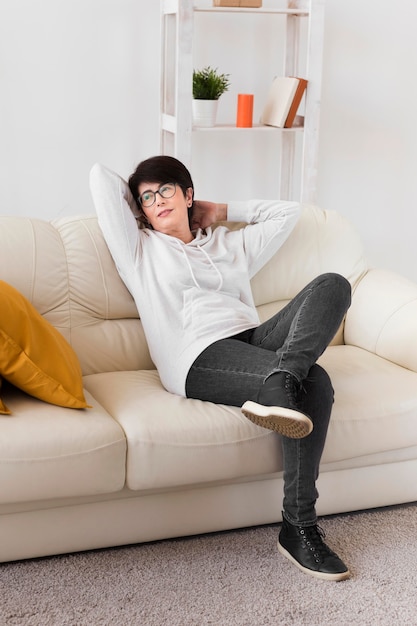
(161, 169)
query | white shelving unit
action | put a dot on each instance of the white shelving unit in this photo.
(177, 34)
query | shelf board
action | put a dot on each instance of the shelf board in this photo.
(254, 128)
(169, 124)
(171, 7)
(260, 10)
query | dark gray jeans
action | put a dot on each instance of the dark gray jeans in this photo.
(231, 371)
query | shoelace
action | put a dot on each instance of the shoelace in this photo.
(313, 537)
(293, 387)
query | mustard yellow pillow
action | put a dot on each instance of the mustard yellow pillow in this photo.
(3, 408)
(34, 356)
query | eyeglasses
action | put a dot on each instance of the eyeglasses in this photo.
(148, 197)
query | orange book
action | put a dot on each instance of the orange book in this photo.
(301, 87)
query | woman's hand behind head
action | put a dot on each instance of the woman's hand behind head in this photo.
(207, 213)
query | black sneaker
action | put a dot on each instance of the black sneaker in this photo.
(276, 407)
(306, 549)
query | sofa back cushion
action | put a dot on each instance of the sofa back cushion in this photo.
(65, 269)
(322, 241)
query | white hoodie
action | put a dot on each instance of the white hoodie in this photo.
(189, 295)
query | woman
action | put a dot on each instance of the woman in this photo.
(191, 284)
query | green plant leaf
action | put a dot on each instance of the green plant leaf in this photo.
(208, 84)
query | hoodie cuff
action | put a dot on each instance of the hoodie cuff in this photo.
(238, 211)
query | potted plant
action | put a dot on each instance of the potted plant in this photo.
(208, 86)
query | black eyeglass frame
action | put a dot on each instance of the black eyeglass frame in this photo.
(150, 191)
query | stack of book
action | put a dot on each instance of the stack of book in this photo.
(283, 101)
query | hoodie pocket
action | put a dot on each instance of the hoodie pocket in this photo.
(210, 313)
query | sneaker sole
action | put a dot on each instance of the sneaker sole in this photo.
(287, 422)
(322, 575)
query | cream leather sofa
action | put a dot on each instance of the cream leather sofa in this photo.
(143, 464)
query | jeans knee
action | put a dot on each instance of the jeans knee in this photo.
(340, 287)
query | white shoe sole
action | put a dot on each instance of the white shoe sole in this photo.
(287, 422)
(322, 575)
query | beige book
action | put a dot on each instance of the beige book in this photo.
(280, 98)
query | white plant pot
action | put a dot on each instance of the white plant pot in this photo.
(204, 112)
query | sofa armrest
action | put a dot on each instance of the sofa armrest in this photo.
(383, 317)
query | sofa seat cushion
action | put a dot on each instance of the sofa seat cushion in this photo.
(178, 441)
(175, 441)
(375, 408)
(47, 451)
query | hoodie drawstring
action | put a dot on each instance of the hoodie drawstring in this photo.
(195, 281)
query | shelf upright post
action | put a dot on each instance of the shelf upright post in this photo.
(291, 65)
(176, 80)
(309, 164)
(313, 102)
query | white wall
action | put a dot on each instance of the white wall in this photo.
(72, 80)
(368, 140)
(73, 76)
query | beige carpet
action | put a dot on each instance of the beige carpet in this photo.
(235, 579)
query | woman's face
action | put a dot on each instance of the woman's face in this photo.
(165, 206)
